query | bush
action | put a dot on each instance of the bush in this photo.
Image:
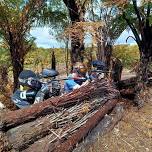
(128, 54)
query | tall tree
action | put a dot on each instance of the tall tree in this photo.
(16, 20)
(77, 10)
(113, 24)
(138, 17)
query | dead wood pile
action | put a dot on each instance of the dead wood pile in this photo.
(57, 124)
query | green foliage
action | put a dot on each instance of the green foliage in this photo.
(54, 15)
(128, 54)
(4, 57)
(114, 23)
(41, 58)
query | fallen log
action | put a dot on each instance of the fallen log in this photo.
(44, 144)
(24, 135)
(104, 126)
(127, 87)
(82, 132)
(15, 118)
(128, 93)
(4, 143)
(131, 83)
(68, 142)
(128, 83)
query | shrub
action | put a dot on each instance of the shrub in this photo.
(128, 54)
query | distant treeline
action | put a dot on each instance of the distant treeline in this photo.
(41, 57)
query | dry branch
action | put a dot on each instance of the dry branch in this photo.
(76, 137)
(62, 136)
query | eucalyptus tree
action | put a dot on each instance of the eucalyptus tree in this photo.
(77, 10)
(138, 16)
(114, 25)
(16, 19)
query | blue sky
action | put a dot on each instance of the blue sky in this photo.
(46, 40)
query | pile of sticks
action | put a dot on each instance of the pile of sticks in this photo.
(58, 124)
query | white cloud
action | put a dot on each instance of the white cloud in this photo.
(44, 38)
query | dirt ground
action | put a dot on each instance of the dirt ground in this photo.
(132, 134)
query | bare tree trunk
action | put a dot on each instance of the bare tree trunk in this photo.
(101, 44)
(17, 63)
(67, 57)
(116, 70)
(142, 81)
(77, 45)
(17, 51)
(108, 54)
(53, 60)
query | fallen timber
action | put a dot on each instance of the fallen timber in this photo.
(127, 87)
(57, 121)
(15, 118)
(104, 126)
(83, 131)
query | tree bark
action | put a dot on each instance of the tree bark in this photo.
(101, 43)
(108, 54)
(24, 135)
(4, 143)
(17, 56)
(17, 63)
(142, 81)
(116, 70)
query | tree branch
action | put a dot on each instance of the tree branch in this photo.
(137, 38)
(130, 37)
(137, 11)
(148, 14)
(30, 9)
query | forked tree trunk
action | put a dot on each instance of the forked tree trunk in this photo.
(143, 37)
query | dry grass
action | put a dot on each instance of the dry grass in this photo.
(132, 134)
